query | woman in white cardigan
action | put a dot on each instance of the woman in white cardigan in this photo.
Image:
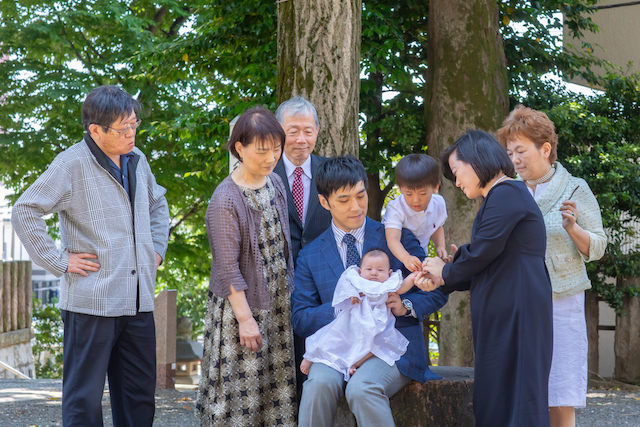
(574, 236)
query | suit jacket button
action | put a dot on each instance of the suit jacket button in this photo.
(133, 272)
(304, 240)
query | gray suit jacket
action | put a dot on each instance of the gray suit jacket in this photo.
(318, 218)
(97, 217)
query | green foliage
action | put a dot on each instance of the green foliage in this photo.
(393, 52)
(599, 140)
(195, 65)
(394, 63)
(47, 325)
(55, 52)
(433, 337)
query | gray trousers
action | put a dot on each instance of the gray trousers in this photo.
(367, 392)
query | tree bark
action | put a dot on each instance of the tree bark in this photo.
(592, 314)
(466, 88)
(319, 58)
(627, 340)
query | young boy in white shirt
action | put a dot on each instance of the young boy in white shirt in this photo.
(418, 208)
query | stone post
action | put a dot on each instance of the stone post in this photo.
(20, 285)
(13, 281)
(627, 340)
(592, 314)
(6, 291)
(2, 297)
(28, 294)
(165, 315)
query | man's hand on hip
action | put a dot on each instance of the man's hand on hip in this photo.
(158, 260)
(78, 263)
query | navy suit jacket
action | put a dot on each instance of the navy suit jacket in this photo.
(318, 218)
(317, 273)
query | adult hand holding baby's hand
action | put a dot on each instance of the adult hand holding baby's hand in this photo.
(427, 282)
(433, 266)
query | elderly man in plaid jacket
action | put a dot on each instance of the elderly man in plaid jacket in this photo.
(114, 226)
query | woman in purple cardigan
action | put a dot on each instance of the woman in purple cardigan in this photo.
(248, 373)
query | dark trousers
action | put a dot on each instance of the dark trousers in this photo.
(122, 347)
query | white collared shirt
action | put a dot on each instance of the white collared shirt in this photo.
(306, 181)
(539, 190)
(357, 233)
(423, 224)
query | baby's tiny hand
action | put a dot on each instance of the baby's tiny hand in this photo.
(355, 300)
(412, 263)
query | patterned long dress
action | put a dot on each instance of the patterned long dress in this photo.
(240, 387)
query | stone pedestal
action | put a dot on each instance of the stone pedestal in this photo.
(165, 376)
(15, 350)
(164, 316)
(439, 403)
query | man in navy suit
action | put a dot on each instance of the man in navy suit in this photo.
(308, 219)
(342, 187)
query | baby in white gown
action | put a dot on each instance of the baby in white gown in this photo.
(364, 327)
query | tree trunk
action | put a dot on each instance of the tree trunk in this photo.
(627, 341)
(592, 313)
(319, 58)
(376, 196)
(466, 88)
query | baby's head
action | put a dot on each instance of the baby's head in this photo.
(418, 177)
(375, 265)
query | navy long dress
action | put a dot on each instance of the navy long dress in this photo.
(511, 309)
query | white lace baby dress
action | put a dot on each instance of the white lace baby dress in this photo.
(359, 328)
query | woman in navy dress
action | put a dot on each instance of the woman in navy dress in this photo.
(504, 269)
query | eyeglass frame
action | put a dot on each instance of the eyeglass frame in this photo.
(126, 129)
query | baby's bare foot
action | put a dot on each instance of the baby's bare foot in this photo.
(305, 366)
(353, 370)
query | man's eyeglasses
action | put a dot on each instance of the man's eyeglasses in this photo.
(126, 129)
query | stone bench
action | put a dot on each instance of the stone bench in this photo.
(439, 403)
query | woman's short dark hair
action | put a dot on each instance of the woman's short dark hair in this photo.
(255, 124)
(339, 172)
(485, 155)
(415, 171)
(105, 105)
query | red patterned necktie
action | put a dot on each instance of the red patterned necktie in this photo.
(297, 191)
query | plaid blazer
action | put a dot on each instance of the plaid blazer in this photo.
(319, 267)
(97, 216)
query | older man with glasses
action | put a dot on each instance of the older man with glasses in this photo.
(114, 227)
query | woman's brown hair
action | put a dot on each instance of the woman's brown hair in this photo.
(533, 125)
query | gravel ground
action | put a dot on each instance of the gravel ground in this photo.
(610, 407)
(37, 403)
